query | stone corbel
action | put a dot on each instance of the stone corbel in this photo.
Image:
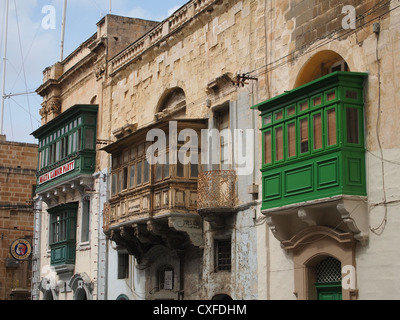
(60, 195)
(272, 227)
(77, 187)
(142, 233)
(305, 217)
(355, 215)
(51, 197)
(86, 183)
(67, 190)
(191, 226)
(47, 201)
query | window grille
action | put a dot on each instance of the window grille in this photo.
(223, 255)
(329, 270)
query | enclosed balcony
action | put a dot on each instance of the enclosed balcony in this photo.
(313, 166)
(153, 200)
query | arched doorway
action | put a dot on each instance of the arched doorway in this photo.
(80, 294)
(319, 254)
(221, 297)
(324, 277)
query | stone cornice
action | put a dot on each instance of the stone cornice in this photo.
(158, 35)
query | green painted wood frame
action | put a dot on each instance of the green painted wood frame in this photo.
(331, 161)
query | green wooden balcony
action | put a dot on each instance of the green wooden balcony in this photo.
(313, 141)
(67, 147)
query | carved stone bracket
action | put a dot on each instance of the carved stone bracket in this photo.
(346, 213)
(191, 226)
(354, 215)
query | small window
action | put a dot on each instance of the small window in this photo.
(223, 255)
(267, 120)
(166, 278)
(278, 115)
(291, 111)
(317, 101)
(304, 106)
(123, 265)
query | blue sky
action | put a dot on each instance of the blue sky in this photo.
(31, 48)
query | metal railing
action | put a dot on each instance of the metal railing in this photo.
(216, 190)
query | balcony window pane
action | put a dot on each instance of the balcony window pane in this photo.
(267, 148)
(291, 136)
(179, 169)
(352, 123)
(132, 176)
(194, 170)
(304, 135)
(331, 118)
(139, 174)
(146, 172)
(166, 167)
(89, 139)
(279, 143)
(114, 183)
(317, 127)
(158, 171)
(124, 178)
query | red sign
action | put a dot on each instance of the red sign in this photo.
(57, 172)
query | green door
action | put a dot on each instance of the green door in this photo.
(329, 291)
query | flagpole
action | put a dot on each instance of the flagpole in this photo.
(3, 95)
(63, 30)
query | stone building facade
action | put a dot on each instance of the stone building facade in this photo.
(333, 217)
(17, 182)
(270, 126)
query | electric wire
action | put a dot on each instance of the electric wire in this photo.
(22, 62)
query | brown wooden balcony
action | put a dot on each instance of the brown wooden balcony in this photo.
(216, 191)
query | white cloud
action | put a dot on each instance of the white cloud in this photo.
(172, 10)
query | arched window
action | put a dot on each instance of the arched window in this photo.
(173, 102)
(319, 65)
